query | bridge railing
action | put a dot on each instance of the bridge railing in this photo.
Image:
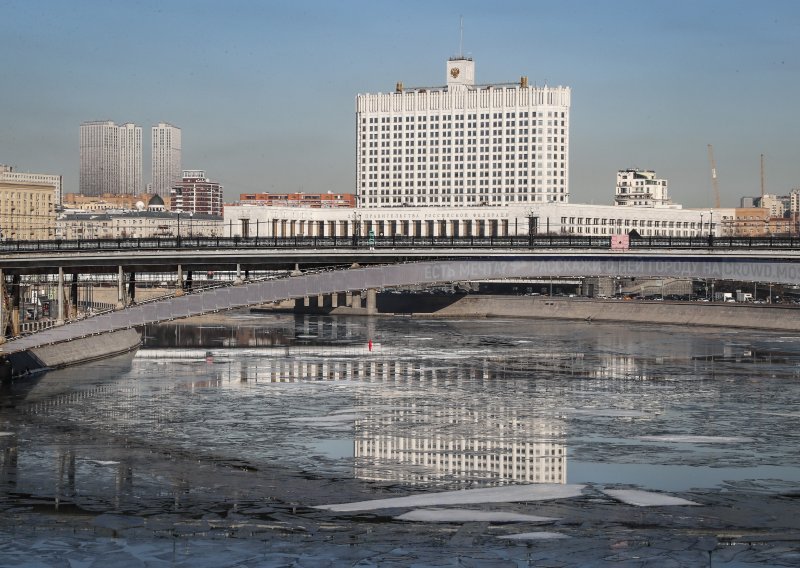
(378, 242)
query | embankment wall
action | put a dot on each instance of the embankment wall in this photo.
(753, 316)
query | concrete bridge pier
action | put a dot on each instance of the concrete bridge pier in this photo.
(320, 301)
(372, 301)
(179, 282)
(120, 289)
(132, 288)
(3, 313)
(73, 297)
(238, 280)
(335, 300)
(16, 297)
(61, 307)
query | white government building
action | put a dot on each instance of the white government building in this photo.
(471, 160)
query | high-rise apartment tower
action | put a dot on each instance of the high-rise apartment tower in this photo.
(166, 158)
(111, 158)
(463, 144)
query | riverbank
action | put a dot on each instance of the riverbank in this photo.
(774, 317)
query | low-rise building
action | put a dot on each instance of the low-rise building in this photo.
(328, 199)
(8, 174)
(195, 193)
(545, 218)
(108, 201)
(136, 224)
(27, 211)
(640, 188)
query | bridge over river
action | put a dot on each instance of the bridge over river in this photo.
(328, 271)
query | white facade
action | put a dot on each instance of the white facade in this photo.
(135, 224)
(130, 159)
(7, 174)
(99, 171)
(111, 158)
(165, 157)
(463, 144)
(640, 188)
(545, 218)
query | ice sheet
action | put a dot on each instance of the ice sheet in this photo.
(646, 498)
(468, 515)
(514, 493)
(697, 439)
(534, 536)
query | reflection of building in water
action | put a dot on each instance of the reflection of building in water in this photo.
(490, 444)
(413, 443)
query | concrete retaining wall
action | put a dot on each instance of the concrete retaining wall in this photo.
(753, 316)
(86, 349)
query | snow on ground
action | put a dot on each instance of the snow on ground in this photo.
(646, 498)
(467, 515)
(514, 493)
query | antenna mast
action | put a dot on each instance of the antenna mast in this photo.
(762, 176)
(461, 38)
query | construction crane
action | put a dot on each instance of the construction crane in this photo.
(714, 183)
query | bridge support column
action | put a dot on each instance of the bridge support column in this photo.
(348, 299)
(335, 300)
(179, 282)
(120, 289)
(73, 297)
(306, 302)
(238, 280)
(132, 288)
(372, 301)
(61, 298)
(3, 311)
(296, 271)
(16, 296)
(320, 301)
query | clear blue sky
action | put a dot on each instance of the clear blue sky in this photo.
(264, 91)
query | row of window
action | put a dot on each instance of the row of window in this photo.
(474, 116)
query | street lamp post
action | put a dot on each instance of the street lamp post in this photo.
(700, 232)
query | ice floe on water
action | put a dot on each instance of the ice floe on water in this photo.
(468, 515)
(513, 493)
(646, 498)
(543, 535)
(686, 439)
(611, 412)
(330, 419)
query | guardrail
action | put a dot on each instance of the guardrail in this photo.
(534, 241)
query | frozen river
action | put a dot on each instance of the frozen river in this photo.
(246, 440)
